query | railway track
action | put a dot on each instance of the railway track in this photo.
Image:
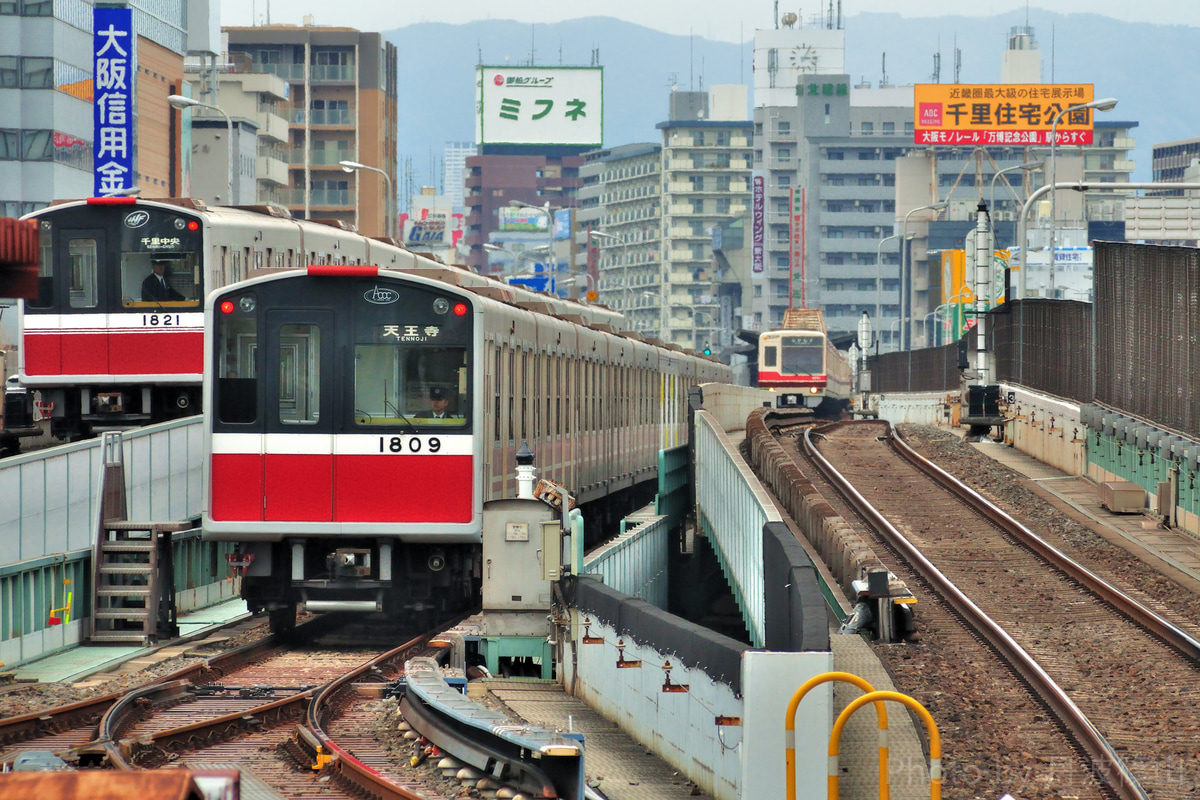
(307, 719)
(1099, 707)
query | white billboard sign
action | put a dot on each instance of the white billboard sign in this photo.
(539, 105)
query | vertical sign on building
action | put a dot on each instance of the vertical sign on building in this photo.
(112, 108)
(796, 249)
(760, 222)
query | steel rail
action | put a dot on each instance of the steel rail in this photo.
(1107, 764)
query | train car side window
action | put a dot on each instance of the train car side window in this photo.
(770, 356)
(84, 258)
(299, 374)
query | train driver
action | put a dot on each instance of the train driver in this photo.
(439, 404)
(155, 288)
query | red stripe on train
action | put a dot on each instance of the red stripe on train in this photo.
(149, 353)
(777, 379)
(320, 488)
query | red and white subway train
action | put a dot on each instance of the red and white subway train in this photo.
(801, 365)
(110, 350)
(326, 459)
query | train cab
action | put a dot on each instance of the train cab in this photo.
(342, 439)
(114, 336)
(793, 363)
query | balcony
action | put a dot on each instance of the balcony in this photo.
(324, 116)
(272, 170)
(331, 73)
(319, 158)
(338, 198)
(271, 126)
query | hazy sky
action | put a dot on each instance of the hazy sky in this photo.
(713, 19)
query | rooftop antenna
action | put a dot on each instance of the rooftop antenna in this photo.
(776, 14)
(829, 17)
(884, 82)
(701, 86)
(479, 47)
(560, 51)
(532, 40)
(839, 19)
(937, 68)
(691, 60)
(957, 60)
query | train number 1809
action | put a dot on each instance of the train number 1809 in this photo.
(409, 444)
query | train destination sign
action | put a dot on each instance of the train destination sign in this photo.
(1000, 114)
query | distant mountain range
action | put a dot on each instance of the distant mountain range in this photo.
(1149, 68)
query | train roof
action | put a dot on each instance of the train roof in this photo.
(803, 319)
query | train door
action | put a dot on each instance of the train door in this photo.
(299, 383)
(71, 285)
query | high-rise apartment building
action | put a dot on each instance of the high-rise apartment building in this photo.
(706, 158)
(454, 165)
(620, 209)
(342, 88)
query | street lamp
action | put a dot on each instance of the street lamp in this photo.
(905, 261)
(624, 267)
(1105, 104)
(354, 166)
(181, 102)
(891, 338)
(879, 276)
(1028, 166)
(549, 227)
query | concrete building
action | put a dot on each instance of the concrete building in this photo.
(849, 150)
(46, 91)
(259, 106)
(341, 84)
(526, 173)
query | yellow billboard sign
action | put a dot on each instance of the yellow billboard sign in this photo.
(1000, 114)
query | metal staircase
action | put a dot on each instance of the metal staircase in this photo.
(132, 571)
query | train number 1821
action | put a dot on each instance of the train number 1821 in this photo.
(409, 444)
(160, 320)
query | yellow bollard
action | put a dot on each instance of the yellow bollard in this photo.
(790, 729)
(935, 741)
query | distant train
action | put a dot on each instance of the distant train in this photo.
(358, 418)
(108, 344)
(802, 366)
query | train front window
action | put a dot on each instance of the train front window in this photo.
(84, 260)
(803, 355)
(299, 374)
(235, 361)
(397, 384)
(160, 279)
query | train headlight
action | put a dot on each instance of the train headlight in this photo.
(441, 305)
(246, 303)
(180, 224)
(812, 390)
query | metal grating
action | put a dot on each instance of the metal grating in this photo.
(1148, 332)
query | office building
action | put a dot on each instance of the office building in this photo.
(839, 144)
(46, 90)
